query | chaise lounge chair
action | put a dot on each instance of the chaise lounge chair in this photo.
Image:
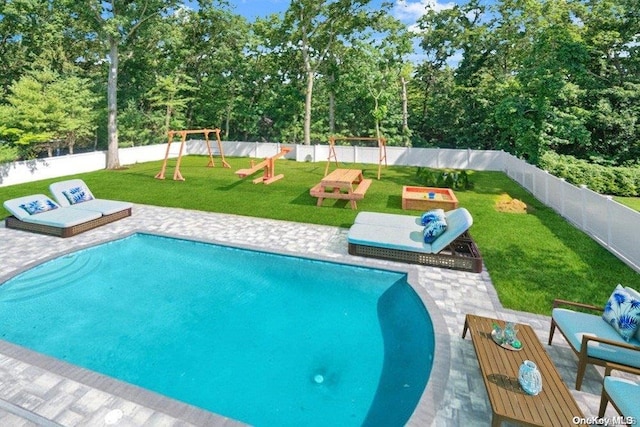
(74, 193)
(39, 214)
(400, 238)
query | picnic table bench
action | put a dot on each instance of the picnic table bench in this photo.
(344, 184)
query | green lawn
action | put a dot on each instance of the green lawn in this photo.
(532, 258)
(632, 202)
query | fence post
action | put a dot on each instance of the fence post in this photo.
(562, 197)
(546, 187)
(609, 219)
(583, 208)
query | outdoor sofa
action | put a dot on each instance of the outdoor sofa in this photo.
(595, 340)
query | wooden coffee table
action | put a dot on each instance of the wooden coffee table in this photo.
(554, 406)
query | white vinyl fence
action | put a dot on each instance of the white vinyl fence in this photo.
(611, 224)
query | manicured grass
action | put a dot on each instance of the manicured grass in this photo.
(532, 257)
(632, 202)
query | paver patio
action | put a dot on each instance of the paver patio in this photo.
(36, 391)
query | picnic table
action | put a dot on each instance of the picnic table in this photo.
(345, 184)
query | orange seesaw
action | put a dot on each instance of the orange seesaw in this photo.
(269, 167)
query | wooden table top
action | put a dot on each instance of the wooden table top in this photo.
(341, 177)
(552, 407)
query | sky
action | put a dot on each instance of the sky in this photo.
(407, 11)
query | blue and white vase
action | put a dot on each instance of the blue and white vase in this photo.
(530, 378)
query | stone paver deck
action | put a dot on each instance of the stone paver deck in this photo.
(37, 390)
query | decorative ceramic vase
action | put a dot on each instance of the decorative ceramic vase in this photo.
(530, 378)
(510, 332)
(498, 334)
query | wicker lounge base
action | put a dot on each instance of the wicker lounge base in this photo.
(15, 223)
(462, 254)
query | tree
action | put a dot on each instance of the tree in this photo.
(613, 81)
(48, 111)
(115, 23)
(313, 28)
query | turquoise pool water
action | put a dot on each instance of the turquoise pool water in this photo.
(262, 338)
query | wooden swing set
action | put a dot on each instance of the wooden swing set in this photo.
(177, 176)
(382, 150)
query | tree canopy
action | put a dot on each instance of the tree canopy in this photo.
(524, 76)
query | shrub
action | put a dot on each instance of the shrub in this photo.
(614, 180)
(449, 178)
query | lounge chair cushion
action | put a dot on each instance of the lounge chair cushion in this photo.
(388, 237)
(104, 206)
(622, 311)
(625, 394)
(405, 232)
(71, 192)
(458, 221)
(389, 220)
(59, 217)
(75, 193)
(63, 217)
(575, 324)
(432, 215)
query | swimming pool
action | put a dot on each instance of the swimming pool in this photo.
(262, 338)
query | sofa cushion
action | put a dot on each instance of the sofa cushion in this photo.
(622, 311)
(575, 324)
(625, 394)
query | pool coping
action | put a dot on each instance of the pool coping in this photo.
(425, 410)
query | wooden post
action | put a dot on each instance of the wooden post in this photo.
(332, 153)
(177, 176)
(382, 151)
(160, 175)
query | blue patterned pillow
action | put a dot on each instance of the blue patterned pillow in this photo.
(622, 312)
(77, 195)
(38, 206)
(433, 230)
(432, 215)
